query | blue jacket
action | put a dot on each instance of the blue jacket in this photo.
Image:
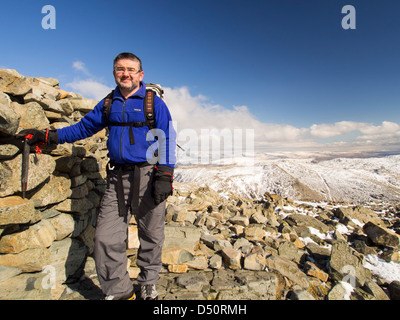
(118, 144)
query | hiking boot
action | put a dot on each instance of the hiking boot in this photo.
(129, 296)
(148, 292)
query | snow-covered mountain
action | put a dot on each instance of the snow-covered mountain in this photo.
(339, 179)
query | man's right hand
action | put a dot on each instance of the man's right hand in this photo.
(43, 137)
(38, 136)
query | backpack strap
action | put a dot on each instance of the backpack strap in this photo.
(149, 108)
(107, 105)
(152, 90)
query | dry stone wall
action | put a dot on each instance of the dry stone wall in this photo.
(46, 237)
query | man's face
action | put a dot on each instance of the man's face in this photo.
(127, 75)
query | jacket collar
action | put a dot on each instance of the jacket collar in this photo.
(140, 93)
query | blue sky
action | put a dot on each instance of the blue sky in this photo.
(288, 64)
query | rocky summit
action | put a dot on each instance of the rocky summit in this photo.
(218, 246)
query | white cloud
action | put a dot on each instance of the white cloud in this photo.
(336, 129)
(196, 113)
(80, 66)
(90, 87)
(369, 131)
(388, 130)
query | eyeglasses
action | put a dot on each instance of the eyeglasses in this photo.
(120, 70)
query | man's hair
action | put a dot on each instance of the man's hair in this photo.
(128, 55)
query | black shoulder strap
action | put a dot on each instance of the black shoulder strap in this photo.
(107, 105)
(149, 108)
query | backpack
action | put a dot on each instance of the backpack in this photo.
(152, 89)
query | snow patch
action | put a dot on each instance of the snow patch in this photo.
(390, 271)
(343, 179)
(348, 288)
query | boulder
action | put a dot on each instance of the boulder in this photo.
(198, 263)
(346, 264)
(231, 258)
(178, 268)
(224, 279)
(180, 216)
(312, 270)
(192, 281)
(241, 220)
(31, 115)
(176, 256)
(220, 244)
(75, 206)
(318, 252)
(39, 235)
(381, 236)
(261, 285)
(56, 190)
(78, 180)
(66, 106)
(391, 254)
(394, 290)
(51, 105)
(79, 192)
(9, 119)
(288, 269)
(63, 225)
(254, 232)
(40, 168)
(290, 251)
(67, 163)
(341, 291)
(133, 237)
(254, 262)
(181, 237)
(46, 88)
(50, 83)
(90, 165)
(82, 104)
(14, 210)
(215, 262)
(11, 82)
(30, 260)
(300, 295)
(308, 221)
(373, 288)
(215, 243)
(359, 213)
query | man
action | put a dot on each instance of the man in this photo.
(134, 185)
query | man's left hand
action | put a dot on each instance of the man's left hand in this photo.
(162, 184)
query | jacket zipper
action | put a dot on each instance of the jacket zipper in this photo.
(122, 131)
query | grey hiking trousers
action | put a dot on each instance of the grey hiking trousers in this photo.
(112, 229)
